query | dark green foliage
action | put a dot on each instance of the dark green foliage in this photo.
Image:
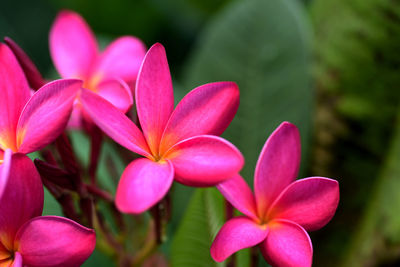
(357, 72)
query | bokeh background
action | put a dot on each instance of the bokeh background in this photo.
(332, 67)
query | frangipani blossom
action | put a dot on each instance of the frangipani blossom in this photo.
(75, 54)
(177, 144)
(282, 210)
(29, 123)
(26, 237)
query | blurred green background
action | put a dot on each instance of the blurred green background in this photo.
(332, 67)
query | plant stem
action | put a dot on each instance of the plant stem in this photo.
(96, 138)
(254, 256)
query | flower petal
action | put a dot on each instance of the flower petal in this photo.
(309, 202)
(143, 184)
(46, 114)
(17, 260)
(14, 95)
(113, 122)
(5, 165)
(4, 255)
(117, 92)
(287, 244)
(32, 74)
(208, 109)
(204, 160)
(122, 59)
(236, 234)
(22, 198)
(277, 165)
(239, 194)
(54, 241)
(73, 46)
(154, 95)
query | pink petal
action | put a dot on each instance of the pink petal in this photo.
(14, 95)
(73, 46)
(208, 109)
(117, 92)
(239, 194)
(32, 74)
(54, 241)
(310, 202)
(143, 184)
(46, 115)
(277, 165)
(287, 245)
(236, 234)
(5, 165)
(75, 121)
(122, 59)
(4, 255)
(17, 260)
(204, 160)
(154, 95)
(113, 122)
(22, 198)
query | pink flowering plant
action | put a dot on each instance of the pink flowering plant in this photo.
(121, 101)
(280, 212)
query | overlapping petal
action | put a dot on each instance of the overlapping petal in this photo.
(239, 194)
(117, 92)
(22, 198)
(236, 234)
(143, 184)
(287, 245)
(310, 202)
(122, 58)
(277, 165)
(204, 160)
(14, 94)
(46, 115)
(208, 109)
(154, 95)
(32, 74)
(4, 253)
(5, 165)
(114, 123)
(63, 243)
(17, 260)
(73, 46)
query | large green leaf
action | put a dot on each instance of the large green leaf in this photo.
(264, 46)
(192, 241)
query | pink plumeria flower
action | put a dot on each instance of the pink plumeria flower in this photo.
(26, 237)
(30, 123)
(177, 144)
(282, 210)
(75, 53)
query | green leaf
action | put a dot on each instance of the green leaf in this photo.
(263, 46)
(251, 43)
(192, 241)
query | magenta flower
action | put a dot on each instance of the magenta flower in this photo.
(29, 123)
(282, 210)
(178, 144)
(75, 53)
(28, 239)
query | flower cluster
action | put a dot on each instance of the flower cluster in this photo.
(179, 144)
